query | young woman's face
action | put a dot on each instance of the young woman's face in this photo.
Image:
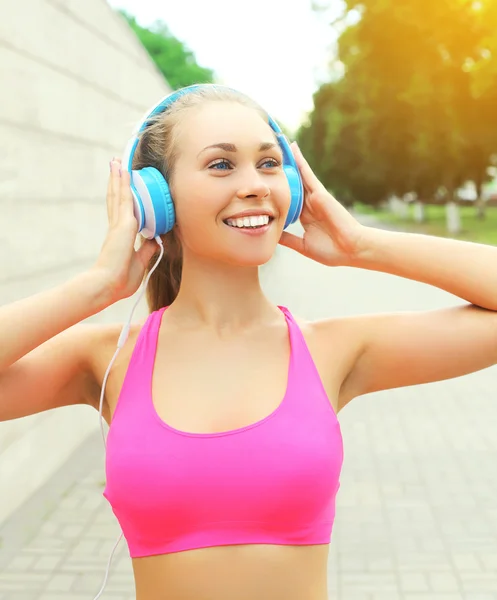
(229, 166)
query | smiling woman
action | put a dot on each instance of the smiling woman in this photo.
(224, 172)
(224, 450)
(231, 203)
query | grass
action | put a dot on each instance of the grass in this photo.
(473, 229)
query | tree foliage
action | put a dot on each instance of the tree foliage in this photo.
(173, 59)
(416, 108)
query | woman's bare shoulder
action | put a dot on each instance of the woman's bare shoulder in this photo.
(103, 339)
(333, 344)
(323, 329)
(107, 334)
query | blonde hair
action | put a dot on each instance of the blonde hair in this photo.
(158, 147)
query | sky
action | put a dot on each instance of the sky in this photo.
(277, 51)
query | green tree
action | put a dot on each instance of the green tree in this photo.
(415, 109)
(173, 59)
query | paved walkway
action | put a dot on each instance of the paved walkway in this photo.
(417, 509)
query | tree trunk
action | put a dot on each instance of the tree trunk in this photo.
(453, 215)
(480, 203)
(419, 212)
(399, 207)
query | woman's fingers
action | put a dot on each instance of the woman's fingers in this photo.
(113, 191)
(310, 181)
(290, 240)
(126, 197)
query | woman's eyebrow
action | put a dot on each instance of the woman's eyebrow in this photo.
(232, 148)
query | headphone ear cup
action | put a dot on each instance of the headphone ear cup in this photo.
(296, 193)
(154, 207)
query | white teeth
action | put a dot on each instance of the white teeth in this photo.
(253, 221)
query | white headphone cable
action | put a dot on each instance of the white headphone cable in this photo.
(124, 335)
(120, 343)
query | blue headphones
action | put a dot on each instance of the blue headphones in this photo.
(153, 204)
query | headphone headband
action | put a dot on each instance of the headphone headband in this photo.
(166, 101)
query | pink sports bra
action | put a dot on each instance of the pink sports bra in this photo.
(271, 482)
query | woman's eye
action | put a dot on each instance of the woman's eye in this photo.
(225, 165)
(272, 162)
(222, 163)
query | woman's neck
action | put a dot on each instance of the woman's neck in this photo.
(221, 296)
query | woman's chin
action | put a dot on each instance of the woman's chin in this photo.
(251, 259)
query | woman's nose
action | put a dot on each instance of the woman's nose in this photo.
(253, 186)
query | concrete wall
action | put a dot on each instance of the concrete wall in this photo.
(73, 82)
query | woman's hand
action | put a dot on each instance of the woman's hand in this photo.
(119, 263)
(331, 234)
